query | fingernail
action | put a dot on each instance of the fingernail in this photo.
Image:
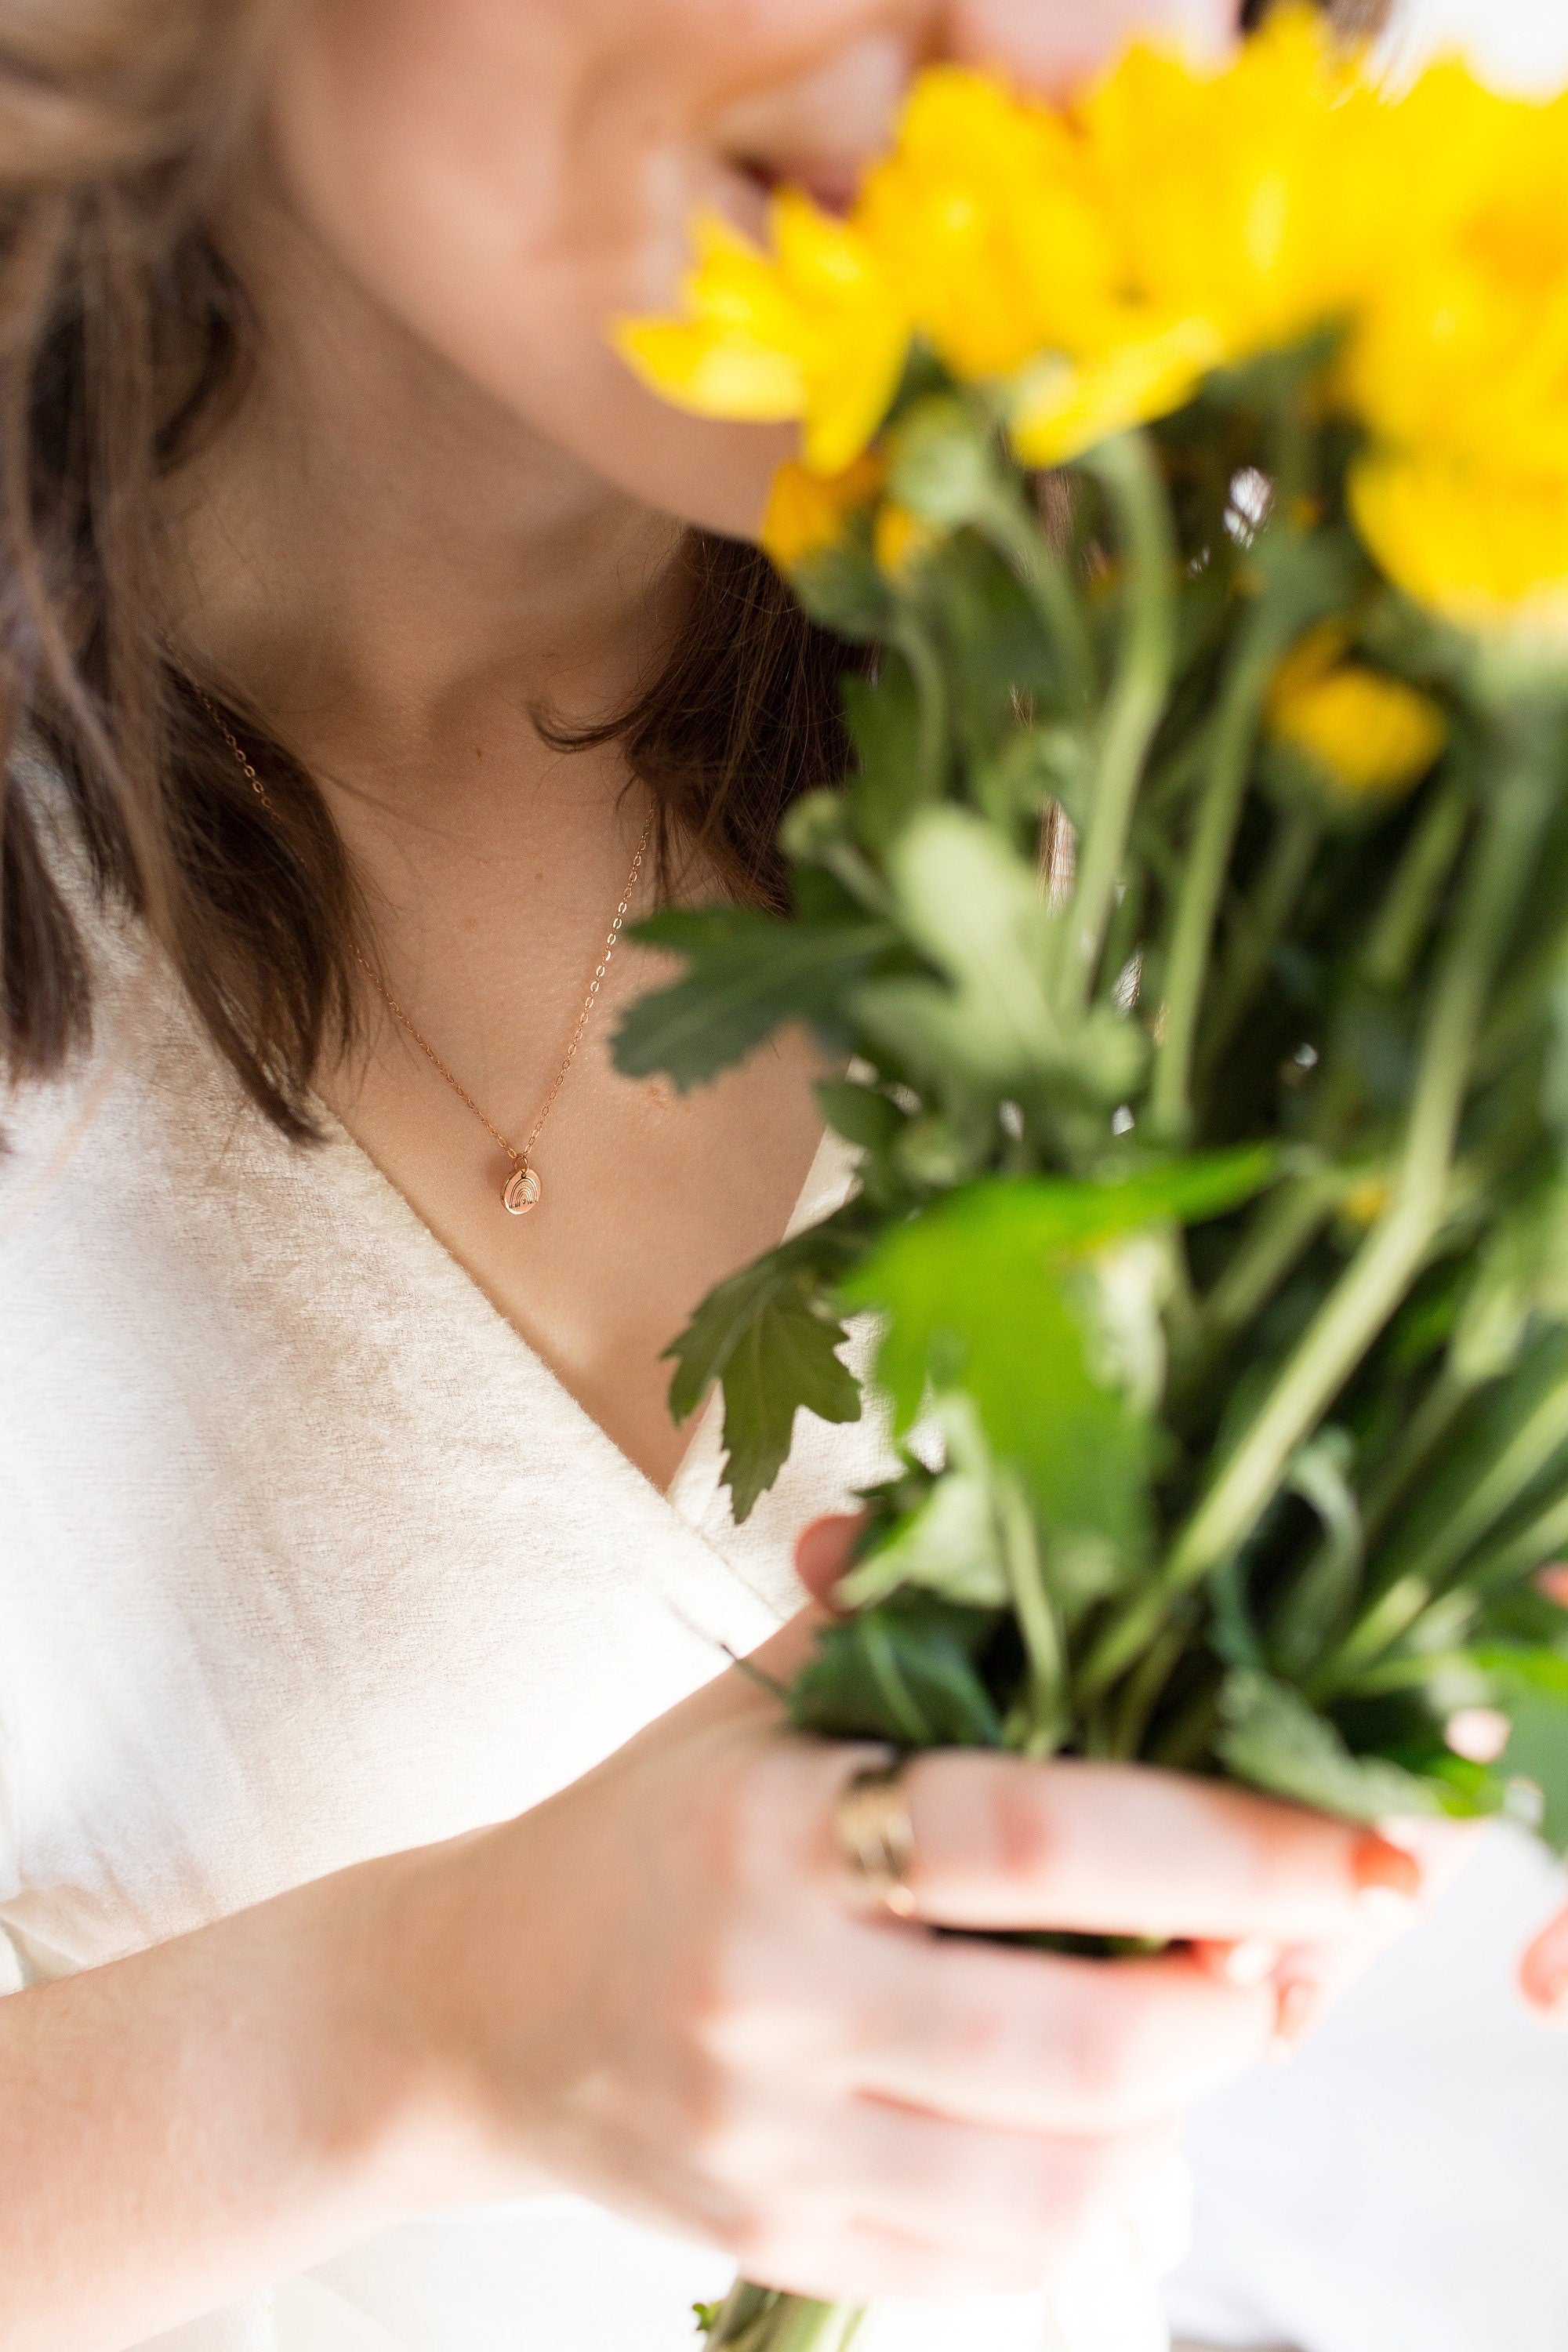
(1250, 1962)
(1387, 1880)
(1299, 2001)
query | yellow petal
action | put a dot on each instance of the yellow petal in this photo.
(807, 512)
(1063, 408)
(712, 375)
(1371, 736)
(1481, 547)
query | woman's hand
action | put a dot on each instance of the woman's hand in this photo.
(664, 1989)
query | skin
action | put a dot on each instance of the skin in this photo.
(440, 503)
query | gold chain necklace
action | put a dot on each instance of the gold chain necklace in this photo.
(521, 1191)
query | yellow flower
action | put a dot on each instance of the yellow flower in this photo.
(1485, 547)
(811, 331)
(808, 512)
(1061, 407)
(983, 219)
(1227, 197)
(901, 541)
(1465, 349)
(1229, 190)
(1369, 735)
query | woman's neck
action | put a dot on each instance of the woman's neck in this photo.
(397, 575)
(395, 570)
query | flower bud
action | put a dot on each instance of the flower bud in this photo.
(1365, 736)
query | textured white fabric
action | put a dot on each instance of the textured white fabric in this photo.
(305, 1557)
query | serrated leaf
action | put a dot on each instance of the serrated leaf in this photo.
(770, 1337)
(748, 973)
(974, 908)
(973, 1301)
(903, 1671)
(1273, 1739)
(977, 1295)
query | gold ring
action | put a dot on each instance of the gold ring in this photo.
(876, 1836)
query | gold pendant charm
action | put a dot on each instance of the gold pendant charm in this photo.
(521, 1192)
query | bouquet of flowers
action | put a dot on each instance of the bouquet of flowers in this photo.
(1191, 936)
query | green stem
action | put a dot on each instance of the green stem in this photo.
(1428, 1425)
(1040, 571)
(1408, 1674)
(915, 642)
(1283, 1225)
(1539, 1437)
(1378, 1275)
(764, 2319)
(1262, 642)
(1394, 941)
(1185, 1741)
(1144, 1688)
(1130, 471)
(1035, 1618)
(1280, 886)
(1521, 1554)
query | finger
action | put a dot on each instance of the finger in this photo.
(1009, 2197)
(1544, 1971)
(825, 1552)
(956, 2208)
(1129, 1850)
(1034, 2042)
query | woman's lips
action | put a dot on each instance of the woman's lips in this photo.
(832, 186)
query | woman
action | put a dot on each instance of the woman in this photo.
(343, 1517)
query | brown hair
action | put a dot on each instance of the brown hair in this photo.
(122, 338)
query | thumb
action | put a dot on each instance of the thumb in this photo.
(824, 1551)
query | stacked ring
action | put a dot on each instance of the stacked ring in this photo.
(875, 1834)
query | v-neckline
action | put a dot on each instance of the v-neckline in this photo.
(827, 1181)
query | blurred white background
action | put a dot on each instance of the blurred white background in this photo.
(1520, 44)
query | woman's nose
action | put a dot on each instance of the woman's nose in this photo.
(1053, 46)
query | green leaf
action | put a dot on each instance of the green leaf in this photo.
(883, 717)
(770, 1336)
(1521, 1274)
(1275, 1740)
(861, 1115)
(949, 1545)
(974, 1301)
(978, 1294)
(747, 974)
(974, 908)
(1554, 1075)
(1532, 1688)
(1492, 1465)
(903, 1671)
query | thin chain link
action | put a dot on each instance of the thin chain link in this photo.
(520, 1159)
